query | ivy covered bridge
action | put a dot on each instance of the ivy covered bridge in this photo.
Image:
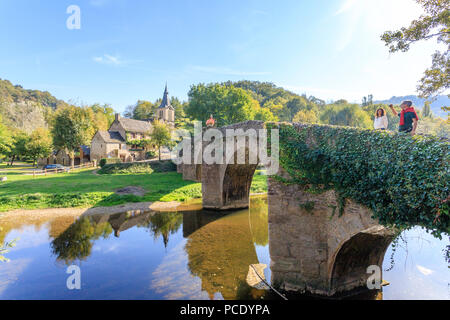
(337, 199)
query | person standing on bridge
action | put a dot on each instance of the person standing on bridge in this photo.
(408, 117)
(381, 120)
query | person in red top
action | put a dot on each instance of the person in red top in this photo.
(210, 122)
(408, 117)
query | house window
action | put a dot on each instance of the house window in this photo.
(120, 147)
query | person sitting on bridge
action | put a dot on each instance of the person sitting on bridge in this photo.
(408, 117)
(210, 122)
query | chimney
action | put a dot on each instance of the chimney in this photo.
(117, 117)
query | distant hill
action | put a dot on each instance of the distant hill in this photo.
(25, 109)
(441, 101)
(17, 94)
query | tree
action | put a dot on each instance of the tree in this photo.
(426, 111)
(226, 103)
(18, 146)
(104, 115)
(5, 138)
(367, 101)
(142, 110)
(264, 114)
(72, 127)
(306, 116)
(434, 24)
(447, 109)
(179, 107)
(346, 115)
(39, 144)
(160, 136)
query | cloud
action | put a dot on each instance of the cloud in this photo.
(111, 60)
(224, 71)
(424, 271)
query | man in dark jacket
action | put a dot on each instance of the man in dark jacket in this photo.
(408, 117)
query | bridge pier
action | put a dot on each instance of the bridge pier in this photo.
(315, 250)
(226, 187)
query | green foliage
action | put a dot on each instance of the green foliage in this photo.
(18, 147)
(76, 242)
(71, 128)
(426, 111)
(306, 116)
(5, 249)
(308, 206)
(434, 24)
(160, 136)
(5, 139)
(16, 93)
(138, 167)
(226, 103)
(344, 114)
(39, 144)
(142, 110)
(164, 224)
(403, 179)
(106, 161)
(150, 154)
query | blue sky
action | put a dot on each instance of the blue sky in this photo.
(127, 50)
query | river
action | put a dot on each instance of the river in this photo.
(191, 255)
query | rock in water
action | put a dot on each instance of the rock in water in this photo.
(254, 277)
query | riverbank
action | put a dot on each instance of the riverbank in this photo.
(86, 190)
(172, 206)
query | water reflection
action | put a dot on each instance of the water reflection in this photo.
(192, 255)
(76, 242)
(221, 251)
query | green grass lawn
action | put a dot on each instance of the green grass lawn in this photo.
(84, 189)
(17, 167)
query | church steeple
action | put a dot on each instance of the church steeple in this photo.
(166, 100)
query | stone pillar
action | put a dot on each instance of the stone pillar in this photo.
(312, 248)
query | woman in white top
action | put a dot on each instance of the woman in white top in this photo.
(381, 120)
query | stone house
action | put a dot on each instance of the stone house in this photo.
(115, 143)
(82, 155)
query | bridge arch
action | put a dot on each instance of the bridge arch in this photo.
(348, 268)
(227, 186)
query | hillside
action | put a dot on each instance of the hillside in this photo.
(25, 109)
(436, 105)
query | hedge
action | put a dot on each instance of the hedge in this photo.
(138, 167)
(106, 161)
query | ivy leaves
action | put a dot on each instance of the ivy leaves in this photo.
(403, 179)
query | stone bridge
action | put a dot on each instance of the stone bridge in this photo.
(313, 247)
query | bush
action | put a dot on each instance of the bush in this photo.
(138, 167)
(151, 154)
(104, 161)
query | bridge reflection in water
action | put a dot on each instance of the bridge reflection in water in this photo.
(218, 250)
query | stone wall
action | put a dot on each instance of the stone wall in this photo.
(314, 249)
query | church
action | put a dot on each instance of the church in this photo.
(114, 142)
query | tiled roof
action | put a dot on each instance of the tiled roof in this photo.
(132, 125)
(86, 150)
(111, 136)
